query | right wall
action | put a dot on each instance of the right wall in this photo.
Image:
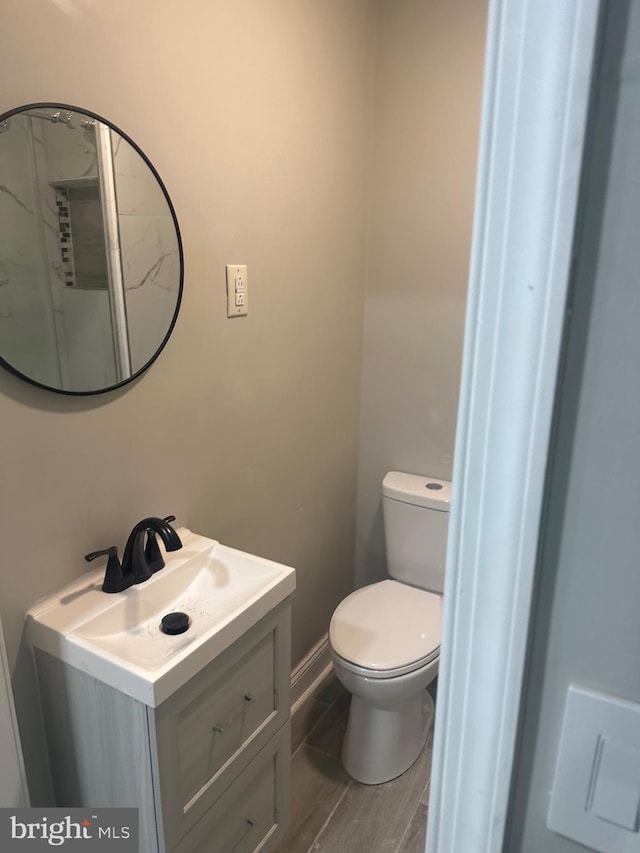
(429, 71)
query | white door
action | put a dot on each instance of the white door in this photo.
(13, 788)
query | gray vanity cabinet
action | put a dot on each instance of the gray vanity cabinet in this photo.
(208, 768)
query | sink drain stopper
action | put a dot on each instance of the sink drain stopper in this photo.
(174, 623)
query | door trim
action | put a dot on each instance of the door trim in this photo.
(539, 66)
(13, 786)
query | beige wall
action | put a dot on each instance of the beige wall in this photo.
(429, 66)
(323, 143)
(256, 116)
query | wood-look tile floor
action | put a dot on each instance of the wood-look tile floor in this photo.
(332, 813)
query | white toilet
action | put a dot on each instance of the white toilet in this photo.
(385, 638)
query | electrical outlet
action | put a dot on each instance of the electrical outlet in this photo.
(237, 290)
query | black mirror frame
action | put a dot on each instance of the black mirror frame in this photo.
(69, 108)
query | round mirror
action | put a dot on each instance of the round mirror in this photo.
(90, 252)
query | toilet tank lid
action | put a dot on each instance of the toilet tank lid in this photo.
(419, 491)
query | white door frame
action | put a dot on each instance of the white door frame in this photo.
(539, 66)
(13, 784)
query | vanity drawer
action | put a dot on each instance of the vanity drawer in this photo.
(253, 812)
(227, 714)
(208, 731)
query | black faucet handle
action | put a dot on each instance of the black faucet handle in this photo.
(173, 541)
(114, 579)
(112, 551)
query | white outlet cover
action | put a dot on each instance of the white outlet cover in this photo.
(237, 284)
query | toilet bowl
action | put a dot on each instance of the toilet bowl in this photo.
(385, 647)
(384, 638)
(389, 722)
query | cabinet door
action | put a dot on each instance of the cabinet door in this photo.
(209, 730)
(253, 812)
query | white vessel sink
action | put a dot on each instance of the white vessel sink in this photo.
(116, 638)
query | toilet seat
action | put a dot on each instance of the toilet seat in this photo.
(366, 672)
(387, 629)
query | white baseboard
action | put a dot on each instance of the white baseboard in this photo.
(310, 672)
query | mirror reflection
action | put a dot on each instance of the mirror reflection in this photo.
(90, 252)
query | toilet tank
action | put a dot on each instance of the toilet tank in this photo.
(416, 519)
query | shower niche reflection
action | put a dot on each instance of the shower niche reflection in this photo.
(90, 252)
(83, 250)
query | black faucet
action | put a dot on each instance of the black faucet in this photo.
(140, 559)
